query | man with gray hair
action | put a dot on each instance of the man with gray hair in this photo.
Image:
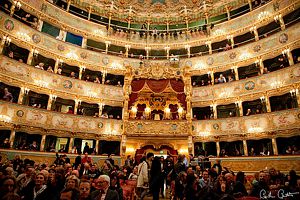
(103, 192)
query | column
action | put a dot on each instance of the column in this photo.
(57, 62)
(12, 137)
(218, 148)
(62, 35)
(43, 141)
(2, 44)
(236, 73)
(191, 145)
(188, 49)
(68, 5)
(281, 21)
(289, 55)
(51, 100)
(208, 43)
(212, 77)
(81, 69)
(168, 52)
(274, 145)
(107, 43)
(89, 12)
(147, 52)
(103, 76)
(254, 31)
(30, 57)
(228, 12)
(97, 146)
(40, 25)
(127, 47)
(239, 107)
(100, 107)
(123, 145)
(84, 42)
(13, 7)
(214, 108)
(77, 103)
(266, 102)
(250, 5)
(71, 143)
(261, 65)
(245, 147)
(23, 93)
(298, 97)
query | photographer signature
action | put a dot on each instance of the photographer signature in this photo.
(281, 194)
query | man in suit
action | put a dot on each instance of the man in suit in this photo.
(103, 192)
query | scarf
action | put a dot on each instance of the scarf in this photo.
(35, 194)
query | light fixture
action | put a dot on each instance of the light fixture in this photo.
(6, 40)
(285, 52)
(134, 109)
(35, 52)
(53, 97)
(294, 92)
(23, 36)
(72, 55)
(26, 90)
(5, 118)
(263, 99)
(17, 4)
(82, 67)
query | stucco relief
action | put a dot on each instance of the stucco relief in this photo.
(35, 116)
(63, 122)
(285, 119)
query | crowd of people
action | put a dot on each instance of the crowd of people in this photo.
(152, 176)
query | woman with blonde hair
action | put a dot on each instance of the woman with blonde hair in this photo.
(72, 182)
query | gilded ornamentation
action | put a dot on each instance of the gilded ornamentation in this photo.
(249, 85)
(105, 60)
(232, 55)
(67, 84)
(100, 125)
(276, 6)
(210, 61)
(157, 71)
(9, 25)
(257, 48)
(20, 113)
(60, 47)
(83, 55)
(36, 38)
(283, 38)
(216, 126)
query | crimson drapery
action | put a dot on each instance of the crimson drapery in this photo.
(157, 86)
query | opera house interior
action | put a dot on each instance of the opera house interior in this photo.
(200, 82)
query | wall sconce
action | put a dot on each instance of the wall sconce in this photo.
(285, 52)
(101, 105)
(167, 48)
(277, 18)
(6, 40)
(127, 46)
(82, 68)
(26, 91)
(252, 29)
(35, 52)
(180, 110)
(263, 99)
(78, 101)
(207, 43)
(229, 37)
(17, 4)
(294, 92)
(53, 97)
(147, 110)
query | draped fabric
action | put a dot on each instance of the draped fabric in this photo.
(137, 85)
(157, 86)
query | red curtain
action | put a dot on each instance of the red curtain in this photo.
(137, 85)
(177, 85)
(157, 86)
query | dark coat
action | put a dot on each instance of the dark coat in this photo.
(110, 195)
